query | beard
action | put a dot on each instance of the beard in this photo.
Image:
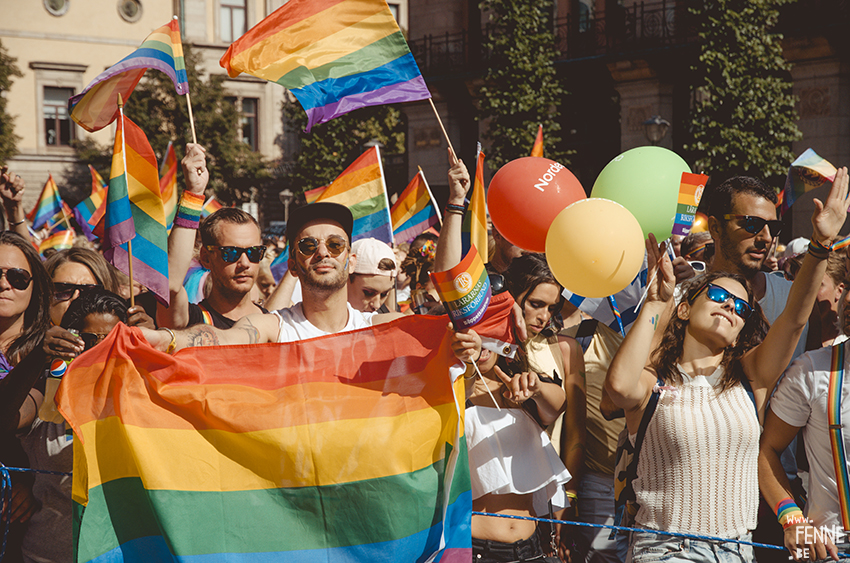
(327, 283)
(747, 268)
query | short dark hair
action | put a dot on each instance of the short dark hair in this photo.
(720, 198)
(209, 226)
(94, 301)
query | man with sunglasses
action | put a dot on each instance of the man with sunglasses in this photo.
(231, 249)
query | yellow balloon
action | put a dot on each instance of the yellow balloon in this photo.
(595, 247)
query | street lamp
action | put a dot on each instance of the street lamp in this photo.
(286, 196)
(655, 129)
(373, 143)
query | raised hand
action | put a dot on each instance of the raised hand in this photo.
(829, 217)
(458, 180)
(663, 279)
(195, 172)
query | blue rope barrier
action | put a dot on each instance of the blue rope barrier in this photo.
(647, 530)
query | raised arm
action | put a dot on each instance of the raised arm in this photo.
(252, 329)
(449, 246)
(181, 242)
(765, 363)
(628, 382)
(12, 192)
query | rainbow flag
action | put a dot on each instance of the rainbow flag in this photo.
(415, 210)
(49, 205)
(168, 185)
(60, 240)
(807, 173)
(89, 211)
(465, 290)
(312, 195)
(97, 106)
(97, 182)
(361, 188)
(210, 206)
(474, 228)
(280, 264)
(691, 189)
(335, 56)
(134, 212)
(537, 149)
(349, 447)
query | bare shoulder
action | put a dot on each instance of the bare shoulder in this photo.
(386, 317)
(259, 327)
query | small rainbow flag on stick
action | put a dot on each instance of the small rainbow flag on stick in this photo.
(97, 182)
(691, 189)
(89, 211)
(474, 228)
(210, 206)
(465, 290)
(335, 56)
(807, 173)
(49, 205)
(537, 149)
(415, 210)
(61, 240)
(168, 185)
(97, 106)
(344, 448)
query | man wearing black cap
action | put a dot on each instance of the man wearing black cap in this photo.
(320, 242)
(231, 249)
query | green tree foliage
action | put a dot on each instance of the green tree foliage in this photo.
(329, 148)
(521, 88)
(8, 139)
(163, 115)
(743, 120)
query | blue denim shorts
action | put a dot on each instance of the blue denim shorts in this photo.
(646, 547)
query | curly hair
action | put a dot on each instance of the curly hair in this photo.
(665, 358)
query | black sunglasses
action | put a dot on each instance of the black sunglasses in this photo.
(335, 244)
(230, 254)
(18, 278)
(65, 291)
(754, 225)
(91, 339)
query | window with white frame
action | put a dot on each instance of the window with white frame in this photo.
(58, 127)
(233, 19)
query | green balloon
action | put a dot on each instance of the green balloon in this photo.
(645, 181)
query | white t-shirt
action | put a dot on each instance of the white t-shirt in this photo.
(801, 401)
(295, 326)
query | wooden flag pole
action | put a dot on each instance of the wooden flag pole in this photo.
(191, 118)
(129, 242)
(440, 121)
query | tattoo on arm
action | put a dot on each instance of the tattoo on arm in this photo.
(201, 335)
(654, 321)
(251, 330)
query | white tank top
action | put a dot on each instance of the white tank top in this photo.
(698, 466)
(295, 326)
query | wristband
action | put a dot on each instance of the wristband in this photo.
(456, 209)
(819, 251)
(189, 211)
(173, 344)
(788, 513)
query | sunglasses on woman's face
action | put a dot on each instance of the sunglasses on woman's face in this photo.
(18, 278)
(230, 254)
(65, 291)
(720, 295)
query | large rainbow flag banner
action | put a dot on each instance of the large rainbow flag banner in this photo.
(97, 106)
(361, 188)
(134, 212)
(465, 290)
(348, 447)
(807, 173)
(474, 229)
(168, 185)
(415, 210)
(537, 149)
(49, 205)
(335, 56)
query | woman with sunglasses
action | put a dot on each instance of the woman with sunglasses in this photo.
(708, 380)
(75, 271)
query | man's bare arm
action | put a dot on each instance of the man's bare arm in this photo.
(252, 329)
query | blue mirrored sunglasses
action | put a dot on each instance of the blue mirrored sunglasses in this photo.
(720, 295)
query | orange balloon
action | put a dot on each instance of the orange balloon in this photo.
(526, 195)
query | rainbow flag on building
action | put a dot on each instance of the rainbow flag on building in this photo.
(465, 290)
(134, 212)
(335, 56)
(474, 228)
(168, 185)
(361, 188)
(210, 206)
(97, 105)
(415, 210)
(807, 173)
(49, 205)
(537, 149)
(344, 448)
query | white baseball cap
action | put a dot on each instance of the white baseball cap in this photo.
(370, 252)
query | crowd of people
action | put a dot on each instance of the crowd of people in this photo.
(688, 423)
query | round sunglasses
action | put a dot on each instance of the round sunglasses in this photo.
(721, 295)
(335, 244)
(18, 278)
(230, 254)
